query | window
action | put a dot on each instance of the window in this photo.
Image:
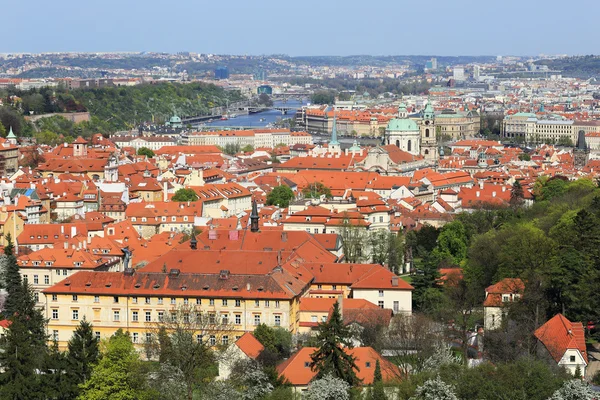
(35, 280)
(238, 319)
(148, 316)
(186, 301)
(116, 316)
(225, 319)
(368, 364)
(96, 299)
(380, 219)
(276, 303)
(256, 319)
(46, 279)
(381, 293)
(334, 287)
(75, 314)
(306, 364)
(161, 316)
(134, 299)
(238, 303)
(319, 287)
(278, 320)
(74, 297)
(148, 337)
(198, 338)
(55, 335)
(198, 302)
(266, 303)
(212, 319)
(212, 340)
(505, 298)
(225, 340)
(224, 302)
(54, 313)
(160, 300)
(256, 303)
(36, 296)
(380, 304)
(173, 301)
(396, 306)
(54, 297)
(134, 316)
(147, 301)
(115, 299)
(65, 272)
(313, 318)
(136, 337)
(211, 302)
(572, 359)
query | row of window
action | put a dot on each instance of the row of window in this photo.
(186, 301)
(163, 219)
(135, 317)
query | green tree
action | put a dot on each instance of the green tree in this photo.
(333, 337)
(516, 195)
(452, 243)
(23, 350)
(377, 391)
(276, 340)
(83, 354)
(524, 157)
(144, 151)
(184, 194)
(323, 97)
(265, 100)
(247, 149)
(280, 196)
(2, 131)
(117, 374)
(315, 190)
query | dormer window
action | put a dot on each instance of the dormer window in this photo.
(48, 263)
(505, 298)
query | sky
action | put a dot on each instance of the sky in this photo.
(303, 27)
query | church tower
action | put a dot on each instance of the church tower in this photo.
(429, 148)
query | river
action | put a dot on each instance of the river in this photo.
(260, 120)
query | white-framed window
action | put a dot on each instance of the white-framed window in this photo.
(238, 319)
(148, 316)
(134, 299)
(160, 300)
(212, 340)
(186, 301)
(225, 340)
(276, 303)
(267, 303)
(211, 302)
(134, 316)
(46, 279)
(173, 300)
(225, 319)
(55, 335)
(55, 313)
(380, 304)
(74, 297)
(256, 319)
(35, 280)
(381, 293)
(161, 316)
(147, 301)
(116, 316)
(148, 337)
(238, 303)
(135, 337)
(396, 306)
(278, 320)
(224, 302)
(96, 299)
(198, 301)
(256, 303)
(75, 314)
(97, 334)
(54, 297)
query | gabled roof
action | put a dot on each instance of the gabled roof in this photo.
(250, 345)
(559, 335)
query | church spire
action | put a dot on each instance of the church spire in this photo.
(254, 217)
(334, 140)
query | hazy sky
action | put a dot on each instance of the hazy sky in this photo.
(303, 27)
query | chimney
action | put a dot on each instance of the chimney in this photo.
(165, 196)
(66, 245)
(481, 185)
(477, 193)
(493, 194)
(394, 281)
(284, 236)
(503, 188)
(247, 286)
(62, 229)
(340, 300)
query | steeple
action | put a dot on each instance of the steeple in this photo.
(254, 217)
(193, 240)
(334, 140)
(12, 138)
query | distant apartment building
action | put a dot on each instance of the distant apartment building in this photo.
(458, 124)
(458, 74)
(153, 143)
(531, 129)
(256, 138)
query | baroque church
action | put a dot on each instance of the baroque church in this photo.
(416, 138)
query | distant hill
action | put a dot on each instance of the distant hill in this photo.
(577, 67)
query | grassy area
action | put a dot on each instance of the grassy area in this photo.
(407, 278)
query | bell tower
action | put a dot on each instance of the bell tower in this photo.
(429, 148)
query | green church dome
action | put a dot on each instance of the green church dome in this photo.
(402, 125)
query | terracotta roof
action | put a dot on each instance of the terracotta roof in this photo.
(559, 335)
(250, 345)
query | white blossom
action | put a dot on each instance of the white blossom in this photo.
(435, 389)
(574, 390)
(328, 388)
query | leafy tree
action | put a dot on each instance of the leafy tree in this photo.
(315, 190)
(575, 389)
(451, 243)
(565, 141)
(276, 340)
(328, 388)
(144, 151)
(524, 157)
(9, 118)
(247, 149)
(184, 195)
(83, 353)
(280, 196)
(2, 130)
(516, 195)
(117, 374)
(256, 385)
(166, 383)
(265, 100)
(220, 390)
(323, 97)
(353, 240)
(435, 389)
(333, 337)
(231, 149)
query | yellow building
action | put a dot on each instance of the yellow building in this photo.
(138, 302)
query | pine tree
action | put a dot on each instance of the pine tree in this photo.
(54, 379)
(517, 195)
(331, 357)
(83, 354)
(24, 349)
(377, 390)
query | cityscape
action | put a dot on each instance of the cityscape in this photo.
(206, 226)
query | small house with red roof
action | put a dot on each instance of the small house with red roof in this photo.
(497, 297)
(564, 341)
(246, 348)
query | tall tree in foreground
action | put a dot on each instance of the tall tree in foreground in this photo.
(517, 195)
(117, 374)
(333, 338)
(83, 354)
(377, 391)
(24, 348)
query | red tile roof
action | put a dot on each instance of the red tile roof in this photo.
(250, 345)
(559, 335)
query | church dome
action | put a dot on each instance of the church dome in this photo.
(402, 125)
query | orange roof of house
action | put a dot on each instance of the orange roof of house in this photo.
(559, 335)
(250, 345)
(296, 369)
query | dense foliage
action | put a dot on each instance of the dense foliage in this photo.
(184, 194)
(579, 66)
(280, 196)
